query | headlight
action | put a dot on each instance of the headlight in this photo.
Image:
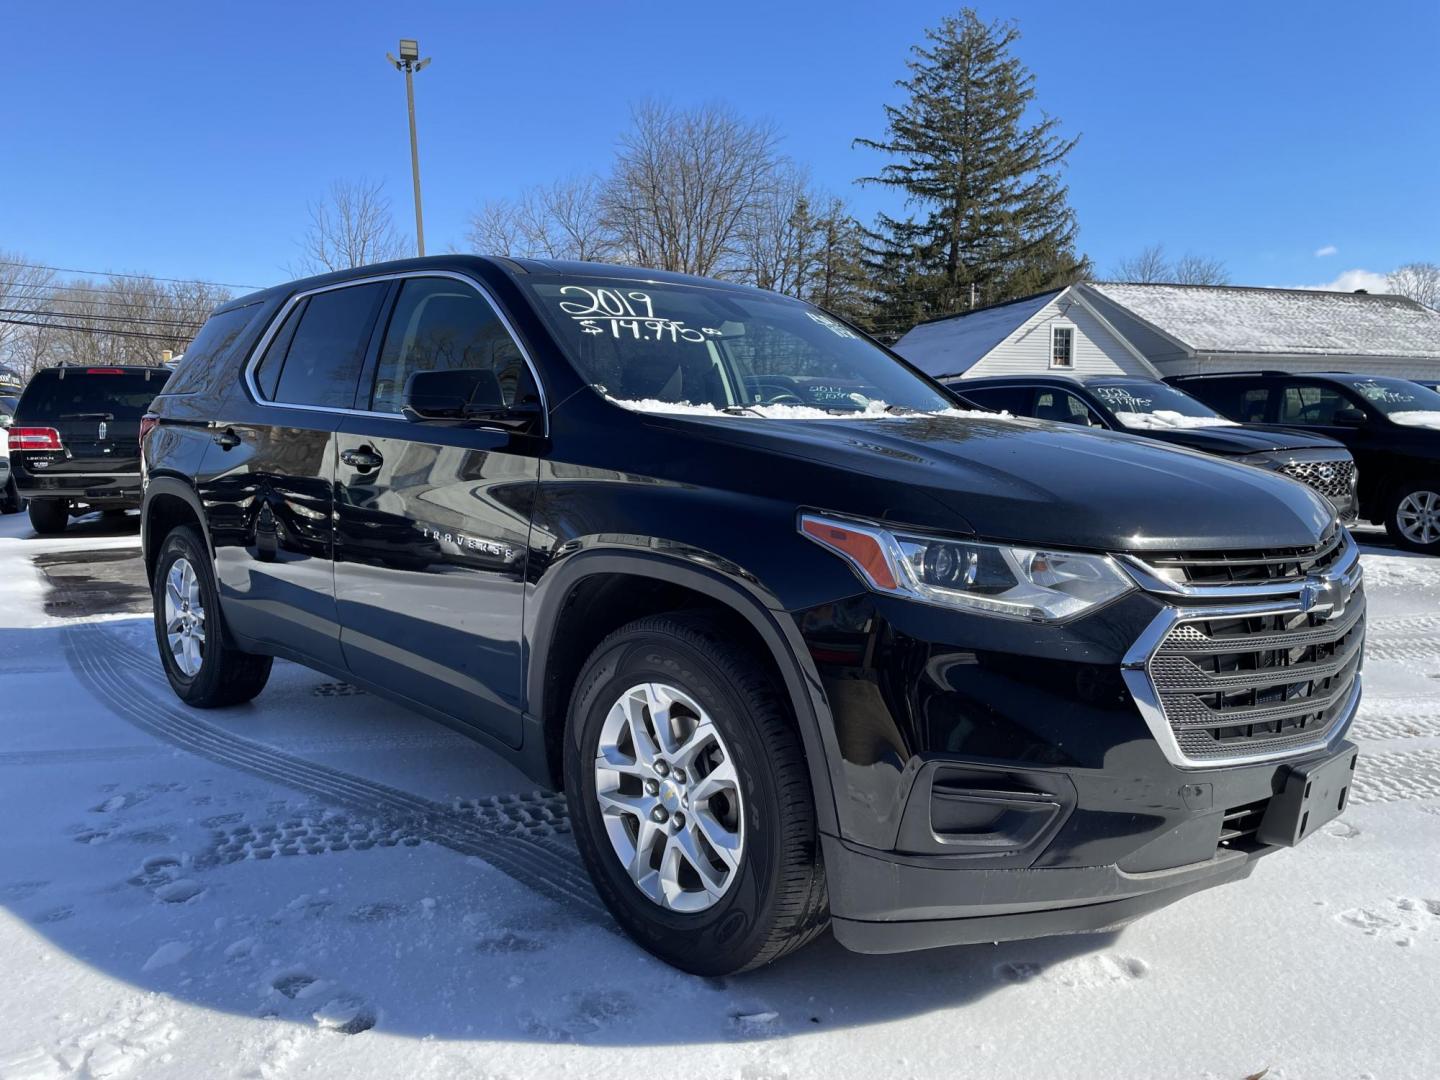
(1035, 584)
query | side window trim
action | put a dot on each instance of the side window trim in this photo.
(381, 323)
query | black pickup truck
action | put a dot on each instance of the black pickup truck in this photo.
(75, 440)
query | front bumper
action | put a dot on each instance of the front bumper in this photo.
(1001, 780)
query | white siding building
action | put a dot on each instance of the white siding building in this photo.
(1055, 331)
(1161, 330)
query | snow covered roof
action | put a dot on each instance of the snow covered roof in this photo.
(1230, 319)
(950, 346)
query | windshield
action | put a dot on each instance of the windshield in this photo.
(1392, 396)
(677, 348)
(1152, 405)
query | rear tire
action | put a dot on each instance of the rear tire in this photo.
(49, 516)
(1412, 517)
(203, 670)
(767, 896)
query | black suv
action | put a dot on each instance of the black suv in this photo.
(1150, 408)
(921, 674)
(75, 440)
(1391, 426)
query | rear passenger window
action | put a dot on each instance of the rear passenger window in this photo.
(325, 349)
(440, 324)
(1011, 399)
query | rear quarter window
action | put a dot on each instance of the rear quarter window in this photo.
(204, 360)
(57, 393)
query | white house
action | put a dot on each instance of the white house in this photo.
(1061, 330)
(1157, 329)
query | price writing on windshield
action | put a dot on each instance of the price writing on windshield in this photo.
(628, 314)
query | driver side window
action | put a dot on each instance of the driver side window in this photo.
(1062, 407)
(1314, 404)
(440, 324)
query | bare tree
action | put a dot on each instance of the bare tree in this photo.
(1419, 281)
(561, 221)
(351, 226)
(1194, 269)
(23, 287)
(1151, 265)
(683, 184)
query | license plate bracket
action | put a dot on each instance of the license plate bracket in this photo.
(1312, 796)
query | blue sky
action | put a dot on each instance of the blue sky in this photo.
(186, 139)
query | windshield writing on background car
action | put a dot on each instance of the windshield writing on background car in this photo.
(1143, 406)
(686, 348)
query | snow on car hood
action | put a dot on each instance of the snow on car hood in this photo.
(875, 410)
(1162, 419)
(1417, 418)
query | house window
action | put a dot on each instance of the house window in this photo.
(1062, 346)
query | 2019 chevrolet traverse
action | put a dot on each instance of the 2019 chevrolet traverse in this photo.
(805, 643)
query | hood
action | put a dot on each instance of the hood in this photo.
(1026, 480)
(1237, 440)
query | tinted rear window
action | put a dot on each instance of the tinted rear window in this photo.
(215, 340)
(124, 395)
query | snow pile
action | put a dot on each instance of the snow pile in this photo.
(875, 410)
(1417, 418)
(1162, 419)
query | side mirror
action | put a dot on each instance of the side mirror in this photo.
(1350, 418)
(463, 394)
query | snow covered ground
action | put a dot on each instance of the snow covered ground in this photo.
(324, 884)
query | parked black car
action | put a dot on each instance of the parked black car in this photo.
(1155, 410)
(1391, 426)
(921, 674)
(74, 440)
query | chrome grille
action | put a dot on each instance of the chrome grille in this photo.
(1257, 684)
(1333, 479)
(1246, 567)
(1256, 656)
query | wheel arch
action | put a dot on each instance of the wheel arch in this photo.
(169, 501)
(627, 585)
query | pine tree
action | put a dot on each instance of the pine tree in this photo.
(991, 216)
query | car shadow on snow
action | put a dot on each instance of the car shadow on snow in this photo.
(152, 845)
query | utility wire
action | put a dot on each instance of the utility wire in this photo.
(113, 274)
(102, 318)
(94, 330)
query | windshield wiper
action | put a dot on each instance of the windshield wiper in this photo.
(902, 410)
(741, 410)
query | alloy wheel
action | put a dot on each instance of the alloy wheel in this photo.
(669, 797)
(1418, 517)
(184, 617)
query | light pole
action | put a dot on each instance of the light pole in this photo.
(410, 63)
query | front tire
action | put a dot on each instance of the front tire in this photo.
(49, 516)
(690, 798)
(1412, 517)
(203, 670)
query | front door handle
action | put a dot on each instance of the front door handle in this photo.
(362, 460)
(227, 439)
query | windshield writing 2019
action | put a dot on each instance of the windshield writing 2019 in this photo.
(630, 312)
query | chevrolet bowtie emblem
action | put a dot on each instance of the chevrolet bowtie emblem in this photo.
(1323, 596)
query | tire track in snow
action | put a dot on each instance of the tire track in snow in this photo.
(118, 675)
(1397, 777)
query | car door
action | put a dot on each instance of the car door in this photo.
(433, 517)
(1330, 409)
(267, 478)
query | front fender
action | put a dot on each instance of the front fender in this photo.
(721, 581)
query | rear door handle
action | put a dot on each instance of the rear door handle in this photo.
(227, 439)
(362, 460)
